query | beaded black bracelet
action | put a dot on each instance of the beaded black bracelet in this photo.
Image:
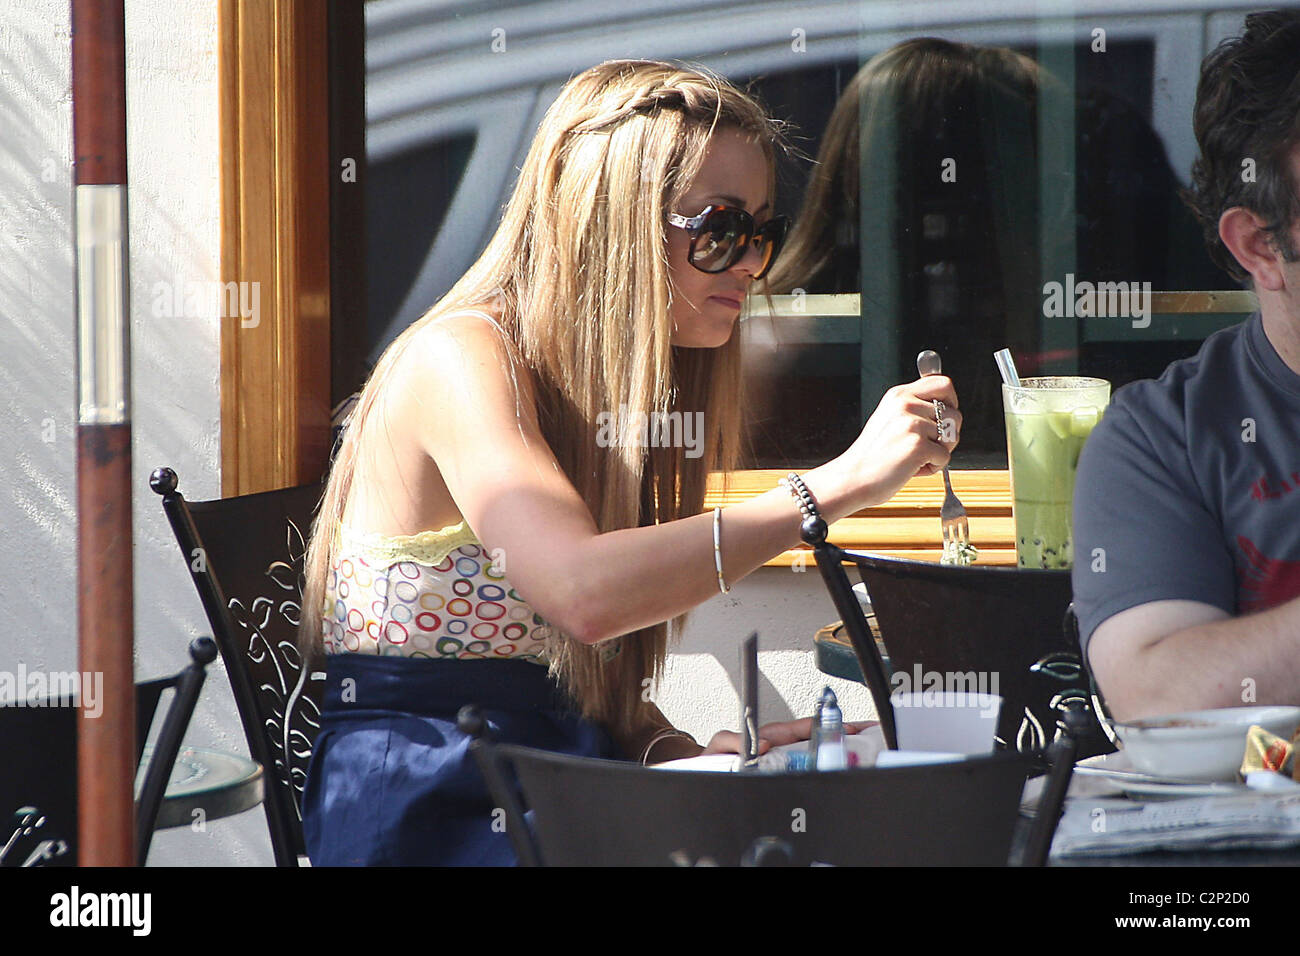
(812, 519)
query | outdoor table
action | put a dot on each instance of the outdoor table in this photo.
(834, 655)
(1287, 856)
(214, 783)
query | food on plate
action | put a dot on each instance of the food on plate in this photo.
(955, 552)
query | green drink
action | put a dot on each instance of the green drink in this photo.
(1048, 421)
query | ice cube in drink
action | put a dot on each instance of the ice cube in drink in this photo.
(1048, 420)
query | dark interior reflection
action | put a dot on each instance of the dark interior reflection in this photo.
(928, 197)
(957, 266)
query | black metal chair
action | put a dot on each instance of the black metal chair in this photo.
(1098, 698)
(39, 786)
(1011, 624)
(186, 684)
(588, 812)
(38, 789)
(246, 557)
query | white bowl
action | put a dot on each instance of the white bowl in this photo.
(1200, 744)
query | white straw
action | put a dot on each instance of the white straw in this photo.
(1007, 367)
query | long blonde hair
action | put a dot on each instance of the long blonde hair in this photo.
(578, 272)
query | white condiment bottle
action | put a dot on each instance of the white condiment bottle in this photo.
(828, 731)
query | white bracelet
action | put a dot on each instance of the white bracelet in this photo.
(659, 738)
(717, 549)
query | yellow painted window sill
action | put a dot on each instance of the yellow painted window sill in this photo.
(906, 526)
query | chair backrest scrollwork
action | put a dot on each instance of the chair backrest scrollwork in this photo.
(246, 558)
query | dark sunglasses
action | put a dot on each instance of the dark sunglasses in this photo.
(720, 236)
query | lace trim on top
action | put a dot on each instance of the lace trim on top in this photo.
(428, 548)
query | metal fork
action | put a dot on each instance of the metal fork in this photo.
(956, 529)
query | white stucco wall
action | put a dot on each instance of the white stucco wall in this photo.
(37, 552)
(174, 197)
(701, 690)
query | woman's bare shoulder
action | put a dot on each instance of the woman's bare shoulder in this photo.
(462, 335)
(465, 358)
(449, 389)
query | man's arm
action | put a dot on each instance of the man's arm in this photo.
(1169, 656)
(1151, 570)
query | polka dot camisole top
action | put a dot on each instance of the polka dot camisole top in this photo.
(436, 594)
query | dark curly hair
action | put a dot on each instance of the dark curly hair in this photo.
(1248, 107)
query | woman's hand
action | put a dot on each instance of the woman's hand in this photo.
(901, 440)
(774, 735)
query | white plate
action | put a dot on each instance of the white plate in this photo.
(1117, 769)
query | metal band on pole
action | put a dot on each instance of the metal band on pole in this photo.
(105, 610)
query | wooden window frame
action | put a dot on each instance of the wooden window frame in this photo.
(275, 230)
(906, 526)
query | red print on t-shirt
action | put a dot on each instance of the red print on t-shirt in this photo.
(1266, 490)
(1265, 582)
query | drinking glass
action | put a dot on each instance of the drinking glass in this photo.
(1048, 420)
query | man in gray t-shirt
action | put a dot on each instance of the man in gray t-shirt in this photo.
(1189, 488)
(1187, 504)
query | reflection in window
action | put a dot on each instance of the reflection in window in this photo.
(410, 195)
(934, 197)
(1057, 171)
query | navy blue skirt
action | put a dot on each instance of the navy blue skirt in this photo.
(392, 781)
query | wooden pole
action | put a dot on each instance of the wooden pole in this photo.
(105, 610)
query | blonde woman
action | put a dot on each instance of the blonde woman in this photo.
(498, 529)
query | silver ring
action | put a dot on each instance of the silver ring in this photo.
(939, 409)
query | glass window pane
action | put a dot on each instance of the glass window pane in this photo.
(955, 193)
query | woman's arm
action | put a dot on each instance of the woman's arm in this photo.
(658, 741)
(654, 739)
(454, 396)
